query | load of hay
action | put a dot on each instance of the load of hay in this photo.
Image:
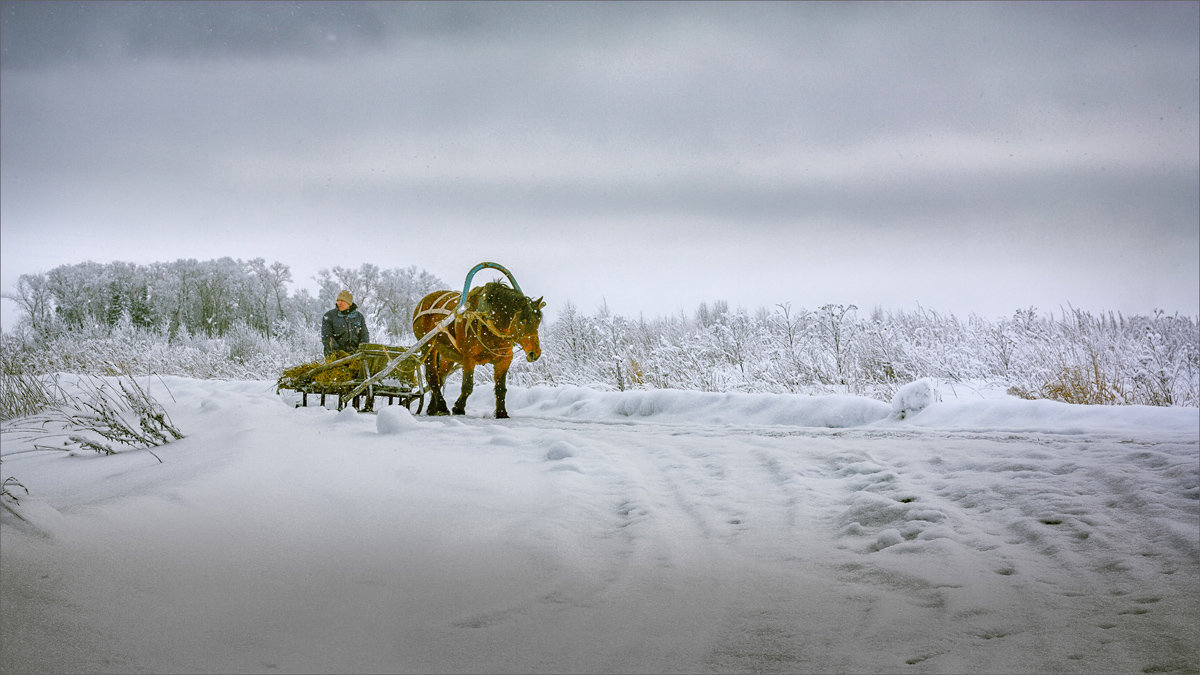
(322, 375)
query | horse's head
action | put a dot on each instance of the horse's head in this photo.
(527, 320)
(516, 316)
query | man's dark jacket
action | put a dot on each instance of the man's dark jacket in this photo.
(343, 331)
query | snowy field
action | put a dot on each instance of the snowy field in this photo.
(647, 531)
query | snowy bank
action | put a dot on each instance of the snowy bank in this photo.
(693, 407)
(922, 405)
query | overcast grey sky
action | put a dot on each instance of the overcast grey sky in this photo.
(967, 157)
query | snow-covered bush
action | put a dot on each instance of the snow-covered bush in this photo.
(1076, 357)
(95, 413)
(1106, 359)
(96, 350)
(23, 391)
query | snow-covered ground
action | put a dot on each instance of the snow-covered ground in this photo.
(645, 531)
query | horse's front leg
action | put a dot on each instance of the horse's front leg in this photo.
(468, 384)
(501, 377)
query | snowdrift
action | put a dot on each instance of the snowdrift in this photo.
(921, 404)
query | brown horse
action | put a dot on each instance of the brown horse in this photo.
(495, 318)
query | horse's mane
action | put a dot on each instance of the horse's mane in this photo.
(498, 298)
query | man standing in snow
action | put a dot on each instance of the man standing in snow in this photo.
(343, 328)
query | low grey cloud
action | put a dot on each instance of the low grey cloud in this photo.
(973, 135)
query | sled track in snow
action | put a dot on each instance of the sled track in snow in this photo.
(781, 518)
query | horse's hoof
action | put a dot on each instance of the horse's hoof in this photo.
(460, 411)
(501, 415)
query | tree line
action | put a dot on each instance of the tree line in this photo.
(1077, 357)
(210, 298)
(236, 319)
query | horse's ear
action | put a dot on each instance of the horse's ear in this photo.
(539, 303)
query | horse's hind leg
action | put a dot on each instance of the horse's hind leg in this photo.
(437, 404)
(468, 385)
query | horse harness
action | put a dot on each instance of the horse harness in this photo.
(475, 319)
